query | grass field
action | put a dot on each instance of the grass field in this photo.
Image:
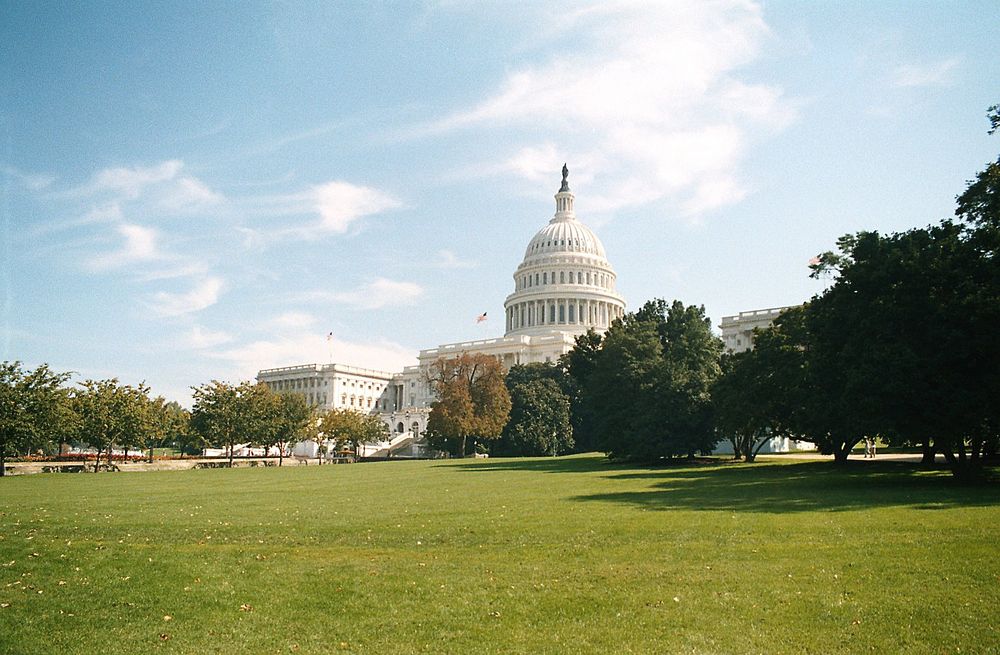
(569, 555)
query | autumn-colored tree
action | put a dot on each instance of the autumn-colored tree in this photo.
(472, 402)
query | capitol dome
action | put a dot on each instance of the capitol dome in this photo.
(565, 283)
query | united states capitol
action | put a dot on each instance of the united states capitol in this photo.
(564, 286)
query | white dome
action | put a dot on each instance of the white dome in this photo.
(565, 284)
(564, 236)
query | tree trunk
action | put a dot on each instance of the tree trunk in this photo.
(927, 458)
(97, 461)
(461, 446)
(230, 455)
(281, 453)
(150, 454)
(3, 458)
(841, 452)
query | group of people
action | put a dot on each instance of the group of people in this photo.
(869, 447)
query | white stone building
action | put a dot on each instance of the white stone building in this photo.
(563, 287)
(737, 337)
(737, 331)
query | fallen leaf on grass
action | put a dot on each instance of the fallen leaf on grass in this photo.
(164, 636)
(4, 605)
(246, 607)
(167, 617)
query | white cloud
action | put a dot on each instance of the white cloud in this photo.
(199, 338)
(204, 294)
(290, 321)
(645, 99)
(131, 182)
(919, 75)
(140, 246)
(448, 260)
(162, 188)
(306, 348)
(341, 203)
(31, 181)
(381, 292)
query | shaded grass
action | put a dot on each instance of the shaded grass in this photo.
(501, 556)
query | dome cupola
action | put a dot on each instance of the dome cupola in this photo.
(565, 283)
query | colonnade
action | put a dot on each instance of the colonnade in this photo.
(562, 311)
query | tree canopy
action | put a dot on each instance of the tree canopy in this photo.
(472, 402)
(650, 388)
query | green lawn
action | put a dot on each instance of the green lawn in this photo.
(501, 556)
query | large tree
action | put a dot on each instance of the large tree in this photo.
(579, 364)
(650, 388)
(472, 402)
(539, 421)
(31, 407)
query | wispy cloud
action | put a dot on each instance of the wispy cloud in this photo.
(290, 321)
(300, 347)
(199, 338)
(920, 75)
(31, 181)
(654, 104)
(140, 245)
(205, 293)
(448, 260)
(380, 292)
(341, 203)
(163, 187)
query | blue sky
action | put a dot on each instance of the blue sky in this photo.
(199, 190)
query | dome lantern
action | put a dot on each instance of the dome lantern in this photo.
(565, 284)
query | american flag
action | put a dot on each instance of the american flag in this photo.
(481, 318)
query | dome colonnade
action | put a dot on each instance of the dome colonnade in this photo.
(565, 282)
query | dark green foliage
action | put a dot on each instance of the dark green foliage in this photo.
(650, 387)
(539, 420)
(579, 365)
(903, 345)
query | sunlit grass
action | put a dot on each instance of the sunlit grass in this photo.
(501, 556)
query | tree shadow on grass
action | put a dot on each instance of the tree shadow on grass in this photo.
(799, 487)
(569, 464)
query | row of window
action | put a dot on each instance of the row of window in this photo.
(312, 383)
(303, 383)
(571, 243)
(602, 280)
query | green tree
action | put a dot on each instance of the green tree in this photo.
(348, 426)
(472, 402)
(32, 407)
(295, 420)
(218, 414)
(579, 364)
(539, 421)
(109, 414)
(651, 385)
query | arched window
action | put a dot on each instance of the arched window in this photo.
(415, 429)
(562, 277)
(545, 278)
(399, 427)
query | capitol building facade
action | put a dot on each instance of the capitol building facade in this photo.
(563, 287)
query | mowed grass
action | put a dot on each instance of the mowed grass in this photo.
(570, 555)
